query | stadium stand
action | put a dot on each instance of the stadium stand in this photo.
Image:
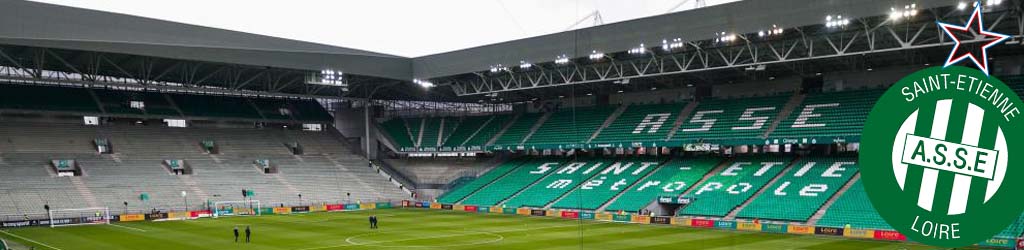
(826, 116)
(854, 208)
(45, 98)
(570, 125)
(671, 179)
(519, 129)
(608, 183)
(733, 185)
(803, 189)
(457, 194)
(729, 121)
(399, 132)
(324, 173)
(527, 173)
(457, 135)
(641, 123)
(559, 182)
(489, 131)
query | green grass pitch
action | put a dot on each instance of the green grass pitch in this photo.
(415, 229)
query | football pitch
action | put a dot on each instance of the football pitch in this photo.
(415, 229)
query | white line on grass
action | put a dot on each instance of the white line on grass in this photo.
(30, 240)
(127, 227)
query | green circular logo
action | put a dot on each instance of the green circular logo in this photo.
(941, 154)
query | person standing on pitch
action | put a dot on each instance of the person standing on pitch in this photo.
(247, 234)
(373, 221)
(236, 234)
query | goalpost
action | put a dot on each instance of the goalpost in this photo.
(79, 216)
(236, 208)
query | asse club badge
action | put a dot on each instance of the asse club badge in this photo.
(943, 156)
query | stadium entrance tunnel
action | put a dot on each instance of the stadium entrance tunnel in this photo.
(425, 239)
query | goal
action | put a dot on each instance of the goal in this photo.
(79, 216)
(239, 208)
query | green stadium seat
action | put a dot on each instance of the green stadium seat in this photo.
(722, 120)
(641, 123)
(559, 182)
(671, 179)
(608, 183)
(526, 174)
(464, 190)
(456, 135)
(827, 116)
(515, 133)
(802, 190)
(735, 184)
(396, 128)
(853, 208)
(571, 125)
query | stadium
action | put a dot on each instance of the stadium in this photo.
(733, 125)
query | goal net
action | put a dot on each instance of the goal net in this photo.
(240, 208)
(79, 216)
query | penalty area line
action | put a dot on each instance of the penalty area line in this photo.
(127, 227)
(30, 240)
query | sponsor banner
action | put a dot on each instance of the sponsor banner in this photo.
(889, 235)
(406, 203)
(496, 210)
(680, 221)
(999, 242)
(642, 219)
(603, 216)
(661, 220)
(798, 229)
(523, 211)
(177, 215)
(483, 210)
(587, 215)
(538, 212)
(318, 208)
(828, 231)
(383, 205)
(267, 210)
(553, 213)
(622, 218)
(446, 206)
(366, 206)
(240, 211)
(282, 210)
(351, 206)
(859, 233)
(459, 207)
(773, 228)
(156, 216)
(335, 207)
(748, 226)
(300, 209)
(508, 210)
(200, 214)
(570, 214)
(1020, 244)
(702, 223)
(133, 217)
(22, 223)
(725, 224)
(435, 206)
(470, 208)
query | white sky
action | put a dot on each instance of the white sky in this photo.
(400, 27)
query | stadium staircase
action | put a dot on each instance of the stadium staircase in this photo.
(512, 183)
(608, 122)
(832, 200)
(514, 130)
(193, 187)
(791, 105)
(537, 194)
(719, 202)
(632, 186)
(485, 180)
(681, 118)
(536, 126)
(789, 167)
(632, 170)
(463, 141)
(84, 191)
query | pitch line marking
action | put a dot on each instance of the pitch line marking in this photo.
(127, 227)
(30, 240)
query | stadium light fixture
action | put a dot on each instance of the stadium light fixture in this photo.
(639, 50)
(423, 83)
(562, 60)
(908, 11)
(991, 3)
(498, 68)
(775, 30)
(836, 22)
(594, 55)
(667, 45)
(723, 37)
(525, 65)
